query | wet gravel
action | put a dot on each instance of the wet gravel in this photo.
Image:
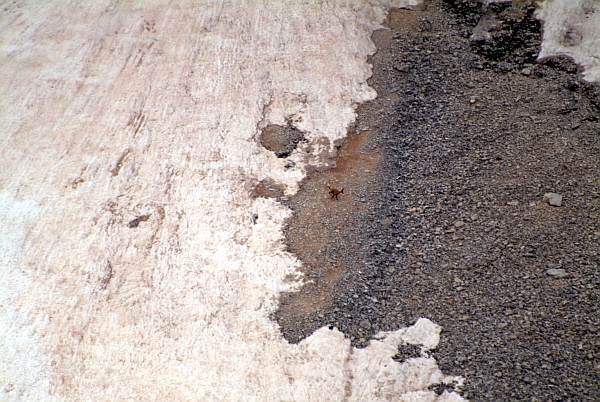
(443, 214)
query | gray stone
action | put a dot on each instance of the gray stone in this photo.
(553, 199)
(526, 71)
(487, 24)
(386, 222)
(557, 273)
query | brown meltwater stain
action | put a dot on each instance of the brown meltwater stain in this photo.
(321, 232)
(332, 237)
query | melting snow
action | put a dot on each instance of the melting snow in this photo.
(572, 29)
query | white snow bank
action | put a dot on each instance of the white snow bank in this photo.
(22, 363)
(116, 110)
(572, 28)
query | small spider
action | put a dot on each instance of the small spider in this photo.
(334, 192)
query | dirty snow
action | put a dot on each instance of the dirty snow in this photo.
(572, 28)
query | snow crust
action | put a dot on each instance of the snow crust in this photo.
(21, 361)
(116, 110)
(572, 28)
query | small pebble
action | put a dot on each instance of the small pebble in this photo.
(553, 199)
(557, 273)
(387, 222)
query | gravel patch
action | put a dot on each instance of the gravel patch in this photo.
(282, 140)
(446, 212)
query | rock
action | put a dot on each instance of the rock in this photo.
(459, 224)
(281, 140)
(135, 223)
(557, 273)
(487, 24)
(526, 72)
(513, 203)
(553, 199)
(387, 222)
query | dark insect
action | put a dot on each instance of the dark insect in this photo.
(334, 192)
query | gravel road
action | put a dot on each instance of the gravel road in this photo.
(446, 214)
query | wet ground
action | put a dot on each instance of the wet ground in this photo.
(443, 213)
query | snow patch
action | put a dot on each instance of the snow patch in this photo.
(572, 29)
(23, 365)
